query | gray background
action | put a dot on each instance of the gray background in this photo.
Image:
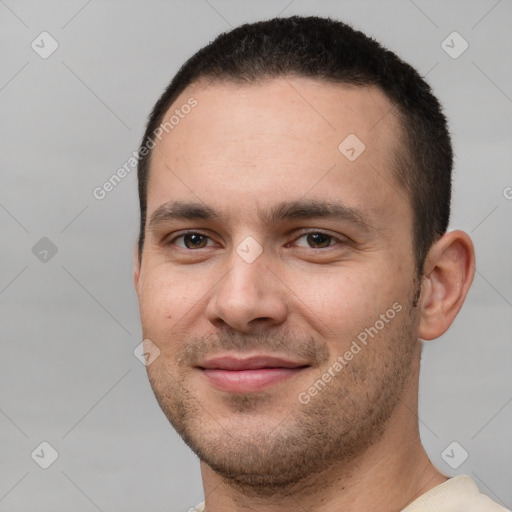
(69, 323)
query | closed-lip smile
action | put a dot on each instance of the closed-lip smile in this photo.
(236, 374)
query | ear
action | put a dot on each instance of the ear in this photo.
(449, 272)
(136, 267)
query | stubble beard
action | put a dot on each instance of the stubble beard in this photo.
(271, 455)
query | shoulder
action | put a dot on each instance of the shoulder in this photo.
(483, 503)
(457, 494)
(197, 508)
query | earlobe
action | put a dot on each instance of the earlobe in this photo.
(449, 272)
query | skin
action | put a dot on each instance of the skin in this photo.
(244, 149)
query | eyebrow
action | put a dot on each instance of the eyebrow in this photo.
(285, 210)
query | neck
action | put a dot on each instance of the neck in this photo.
(387, 476)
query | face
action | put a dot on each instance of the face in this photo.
(277, 277)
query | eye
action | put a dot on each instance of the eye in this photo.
(318, 240)
(313, 240)
(191, 240)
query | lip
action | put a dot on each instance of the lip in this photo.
(248, 375)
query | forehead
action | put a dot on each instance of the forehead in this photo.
(282, 138)
(285, 106)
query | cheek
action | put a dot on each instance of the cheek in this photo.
(342, 302)
(324, 300)
(164, 300)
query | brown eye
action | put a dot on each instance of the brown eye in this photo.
(195, 241)
(191, 241)
(317, 240)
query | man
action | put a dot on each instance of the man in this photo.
(294, 186)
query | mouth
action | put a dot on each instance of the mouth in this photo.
(248, 375)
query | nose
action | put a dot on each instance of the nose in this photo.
(249, 296)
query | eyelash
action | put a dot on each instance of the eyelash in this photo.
(302, 234)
